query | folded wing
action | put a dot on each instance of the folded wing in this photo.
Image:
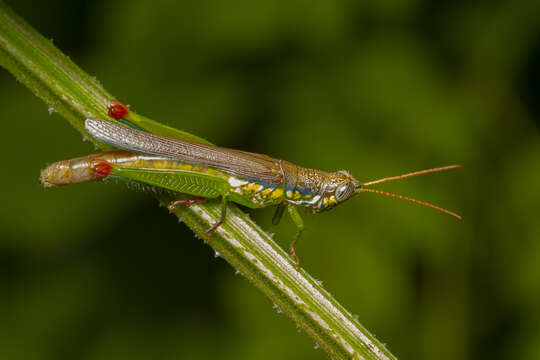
(241, 164)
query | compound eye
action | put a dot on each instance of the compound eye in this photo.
(344, 191)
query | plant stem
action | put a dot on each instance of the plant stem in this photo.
(53, 77)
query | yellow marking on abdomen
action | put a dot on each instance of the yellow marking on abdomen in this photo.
(161, 164)
(183, 166)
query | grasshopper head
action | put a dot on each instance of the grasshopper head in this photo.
(339, 186)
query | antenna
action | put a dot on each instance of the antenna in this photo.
(404, 176)
(412, 200)
(416, 173)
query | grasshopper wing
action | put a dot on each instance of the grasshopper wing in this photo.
(241, 164)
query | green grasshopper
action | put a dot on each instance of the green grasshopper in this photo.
(208, 172)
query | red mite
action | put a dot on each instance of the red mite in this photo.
(101, 168)
(117, 110)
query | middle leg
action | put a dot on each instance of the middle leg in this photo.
(297, 219)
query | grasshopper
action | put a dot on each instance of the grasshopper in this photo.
(208, 172)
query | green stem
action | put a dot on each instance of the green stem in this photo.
(53, 77)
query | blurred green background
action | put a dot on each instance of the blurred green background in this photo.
(97, 271)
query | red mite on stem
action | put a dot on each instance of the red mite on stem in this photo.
(117, 110)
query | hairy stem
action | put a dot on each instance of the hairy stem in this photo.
(53, 77)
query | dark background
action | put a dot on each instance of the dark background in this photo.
(379, 88)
